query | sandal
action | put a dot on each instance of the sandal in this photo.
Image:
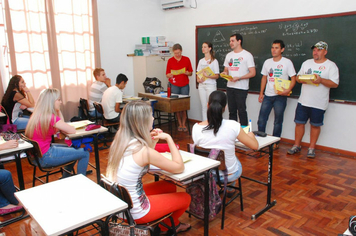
(180, 128)
(182, 227)
(185, 129)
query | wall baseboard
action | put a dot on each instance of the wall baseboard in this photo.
(304, 144)
(323, 148)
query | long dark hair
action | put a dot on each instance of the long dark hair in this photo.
(13, 84)
(212, 52)
(216, 107)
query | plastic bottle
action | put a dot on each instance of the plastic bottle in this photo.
(169, 90)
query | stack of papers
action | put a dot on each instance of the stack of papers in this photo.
(308, 79)
(80, 124)
(227, 77)
(207, 70)
(178, 72)
(280, 84)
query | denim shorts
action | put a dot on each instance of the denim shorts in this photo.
(303, 113)
(180, 90)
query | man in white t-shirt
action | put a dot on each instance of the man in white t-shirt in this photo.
(277, 67)
(240, 65)
(314, 98)
(97, 89)
(112, 98)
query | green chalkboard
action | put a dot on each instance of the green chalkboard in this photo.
(298, 34)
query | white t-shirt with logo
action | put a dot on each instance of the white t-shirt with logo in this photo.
(238, 65)
(317, 96)
(282, 69)
(214, 66)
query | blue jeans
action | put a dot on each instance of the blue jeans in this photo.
(7, 189)
(92, 114)
(58, 155)
(232, 176)
(278, 103)
(180, 90)
(21, 122)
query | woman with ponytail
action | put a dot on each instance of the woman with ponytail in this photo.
(207, 84)
(219, 133)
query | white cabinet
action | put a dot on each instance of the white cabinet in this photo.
(149, 66)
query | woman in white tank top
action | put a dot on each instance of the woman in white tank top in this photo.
(131, 153)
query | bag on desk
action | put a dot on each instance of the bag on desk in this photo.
(7, 127)
(152, 85)
(196, 191)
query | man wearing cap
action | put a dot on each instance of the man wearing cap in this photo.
(314, 98)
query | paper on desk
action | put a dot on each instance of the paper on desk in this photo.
(80, 124)
(169, 156)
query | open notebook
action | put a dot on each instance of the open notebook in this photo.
(80, 124)
(169, 156)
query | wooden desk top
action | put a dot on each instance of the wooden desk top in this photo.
(170, 105)
(69, 203)
(198, 164)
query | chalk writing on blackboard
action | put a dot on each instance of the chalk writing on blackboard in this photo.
(296, 29)
(218, 37)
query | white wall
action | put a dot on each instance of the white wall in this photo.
(119, 33)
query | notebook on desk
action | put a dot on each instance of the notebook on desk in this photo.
(169, 156)
(80, 124)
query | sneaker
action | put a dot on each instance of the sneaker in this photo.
(311, 153)
(294, 150)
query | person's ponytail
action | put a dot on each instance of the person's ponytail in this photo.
(216, 107)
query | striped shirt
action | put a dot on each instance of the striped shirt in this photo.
(97, 90)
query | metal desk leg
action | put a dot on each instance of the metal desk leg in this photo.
(170, 123)
(19, 171)
(269, 204)
(186, 112)
(97, 159)
(206, 203)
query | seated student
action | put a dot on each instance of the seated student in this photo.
(112, 98)
(131, 153)
(219, 133)
(17, 98)
(47, 120)
(8, 202)
(97, 89)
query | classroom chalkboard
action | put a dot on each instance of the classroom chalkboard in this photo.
(298, 34)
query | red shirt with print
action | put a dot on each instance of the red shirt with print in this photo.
(182, 79)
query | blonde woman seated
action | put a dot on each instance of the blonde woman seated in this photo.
(131, 153)
(46, 120)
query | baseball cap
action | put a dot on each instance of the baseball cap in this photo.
(320, 45)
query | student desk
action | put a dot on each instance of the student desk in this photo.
(16, 152)
(194, 169)
(65, 205)
(80, 133)
(263, 142)
(170, 105)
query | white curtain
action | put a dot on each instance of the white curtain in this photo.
(50, 43)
